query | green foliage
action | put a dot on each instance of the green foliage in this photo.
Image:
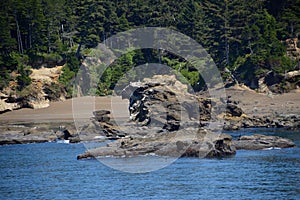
(66, 79)
(23, 79)
(282, 64)
(4, 78)
(243, 36)
(69, 72)
(53, 91)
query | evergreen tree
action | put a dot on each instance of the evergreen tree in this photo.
(291, 16)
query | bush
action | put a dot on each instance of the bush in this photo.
(4, 78)
(23, 79)
(53, 91)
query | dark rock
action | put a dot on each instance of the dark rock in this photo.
(67, 134)
(63, 134)
(75, 139)
(102, 115)
(234, 110)
(102, 125)
(183, 143)
(103, 119)
(101, 112)
(164, 102)
(257, 142)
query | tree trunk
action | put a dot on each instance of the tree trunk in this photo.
(78, 55)
(20, 45)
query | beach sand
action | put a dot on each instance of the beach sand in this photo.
(67, 111)
(252, 103)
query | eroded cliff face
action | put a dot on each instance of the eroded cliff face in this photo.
(43, 89)
(293, 48)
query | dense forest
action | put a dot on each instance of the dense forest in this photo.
(246, 38)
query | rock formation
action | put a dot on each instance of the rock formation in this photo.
(101, 125)
(164, 102)
(165, 121)
(257, 142)
(183, 143)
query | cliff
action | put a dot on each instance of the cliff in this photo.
(44, 88)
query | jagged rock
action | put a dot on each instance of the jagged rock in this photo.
(180, 144)
(101, 125)
(38, 103)
(28, 135)
(163, 101)
(258, 141)
(110, 130)
(165, 118)
(9, 102)
(63, 134)
(234, 110)
(102, 115)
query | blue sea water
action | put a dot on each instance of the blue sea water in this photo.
(51, 171)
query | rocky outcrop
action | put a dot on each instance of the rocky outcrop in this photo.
(26, 135)
(6, 104)
(257, 142)
(293, 48)
(37, 133)
(43, 89)
(164, 102)
(280, 121)
(165, 121)
(182, 143)
(102, 125)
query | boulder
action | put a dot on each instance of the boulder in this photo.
(102, 125)
(63, 134)
(102, 115)
(234, 110)
(258, 141)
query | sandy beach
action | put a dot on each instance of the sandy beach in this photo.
(252, 103)
(258, 104)
(66, 111)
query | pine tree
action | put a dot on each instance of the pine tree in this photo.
(36, 34)
(7, 42)
(291, 16)
(90, 24)
(54, 16)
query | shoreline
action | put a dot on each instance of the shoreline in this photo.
(251, 102)
(42, 124)
(62, 110)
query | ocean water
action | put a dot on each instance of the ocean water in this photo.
(51, 171)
